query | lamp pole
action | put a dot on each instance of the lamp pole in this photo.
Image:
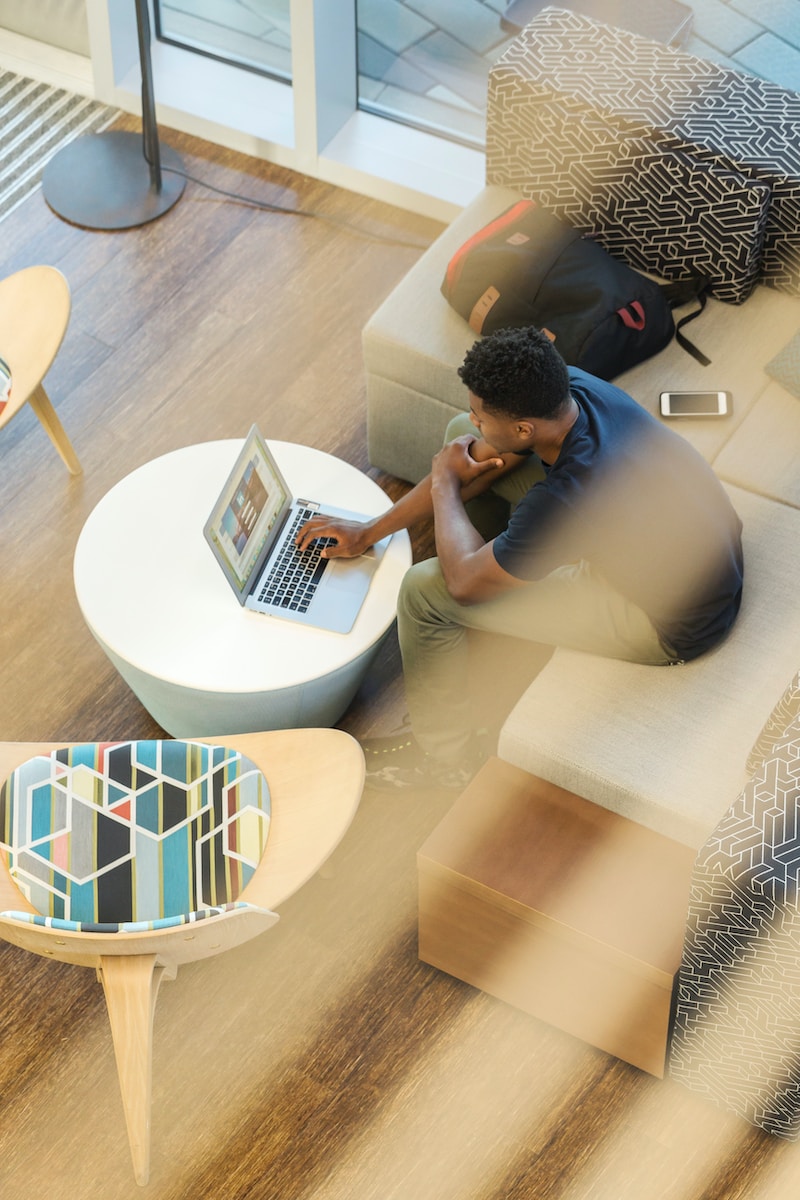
(114, 180)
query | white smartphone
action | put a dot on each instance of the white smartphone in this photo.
(695, 404)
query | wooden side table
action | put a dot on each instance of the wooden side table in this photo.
(34, 313)
(559, 907)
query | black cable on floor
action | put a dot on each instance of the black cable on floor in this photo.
(252, 202)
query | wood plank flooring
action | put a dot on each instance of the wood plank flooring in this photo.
(323, 1061)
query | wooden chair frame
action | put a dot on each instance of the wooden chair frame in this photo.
(315, 778)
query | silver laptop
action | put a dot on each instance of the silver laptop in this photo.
(251, 531)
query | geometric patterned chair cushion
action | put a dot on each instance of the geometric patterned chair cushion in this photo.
(736, 1035)
(123, 836)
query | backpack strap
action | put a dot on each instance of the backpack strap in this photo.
(682, 291)
(684, 342)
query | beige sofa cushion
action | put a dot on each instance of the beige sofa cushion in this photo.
(60, 23)
(415, 338)
(764, 452)
(667, 746)
(739, 340)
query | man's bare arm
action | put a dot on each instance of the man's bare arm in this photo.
(470, 569)
(481, 468)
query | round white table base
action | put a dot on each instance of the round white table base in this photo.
(185, 712)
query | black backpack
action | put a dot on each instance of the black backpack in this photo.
(527, 267)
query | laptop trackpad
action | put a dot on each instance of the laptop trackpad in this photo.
(349, 575)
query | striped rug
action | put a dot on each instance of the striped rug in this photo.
(36, 120)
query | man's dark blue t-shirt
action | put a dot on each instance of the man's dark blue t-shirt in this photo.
(636, 501)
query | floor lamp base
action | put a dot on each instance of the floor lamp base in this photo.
(102, 181)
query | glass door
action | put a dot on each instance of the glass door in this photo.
(254, 34)
(426, 62)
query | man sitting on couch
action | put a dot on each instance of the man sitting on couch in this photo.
(573, 518)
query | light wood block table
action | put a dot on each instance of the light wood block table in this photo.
(559, 907)
(35, 306)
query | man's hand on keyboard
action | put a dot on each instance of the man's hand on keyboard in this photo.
(352, 537)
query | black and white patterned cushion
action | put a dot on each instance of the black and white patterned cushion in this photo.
(780, 719)
(736, 1037)
(676, 163)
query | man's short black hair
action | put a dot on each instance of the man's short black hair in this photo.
(517, 372)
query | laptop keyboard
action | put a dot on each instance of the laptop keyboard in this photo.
(294, 576)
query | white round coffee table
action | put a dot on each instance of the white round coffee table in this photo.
(157, 602)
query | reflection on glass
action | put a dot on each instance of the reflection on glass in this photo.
(250, 33)
(426, 62)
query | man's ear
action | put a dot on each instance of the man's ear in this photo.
(525, 430)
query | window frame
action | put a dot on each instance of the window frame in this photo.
(313, 125)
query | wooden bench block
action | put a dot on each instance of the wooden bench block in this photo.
(559, 907)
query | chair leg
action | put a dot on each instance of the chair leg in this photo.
(40, 403)
(130, 983)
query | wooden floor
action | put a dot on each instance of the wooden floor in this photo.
(323, 1061)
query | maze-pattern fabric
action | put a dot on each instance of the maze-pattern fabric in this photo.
(107, 834)
(785, 711)
(736, 1037)
(677, 164)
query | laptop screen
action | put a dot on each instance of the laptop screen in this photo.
(250, 509)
